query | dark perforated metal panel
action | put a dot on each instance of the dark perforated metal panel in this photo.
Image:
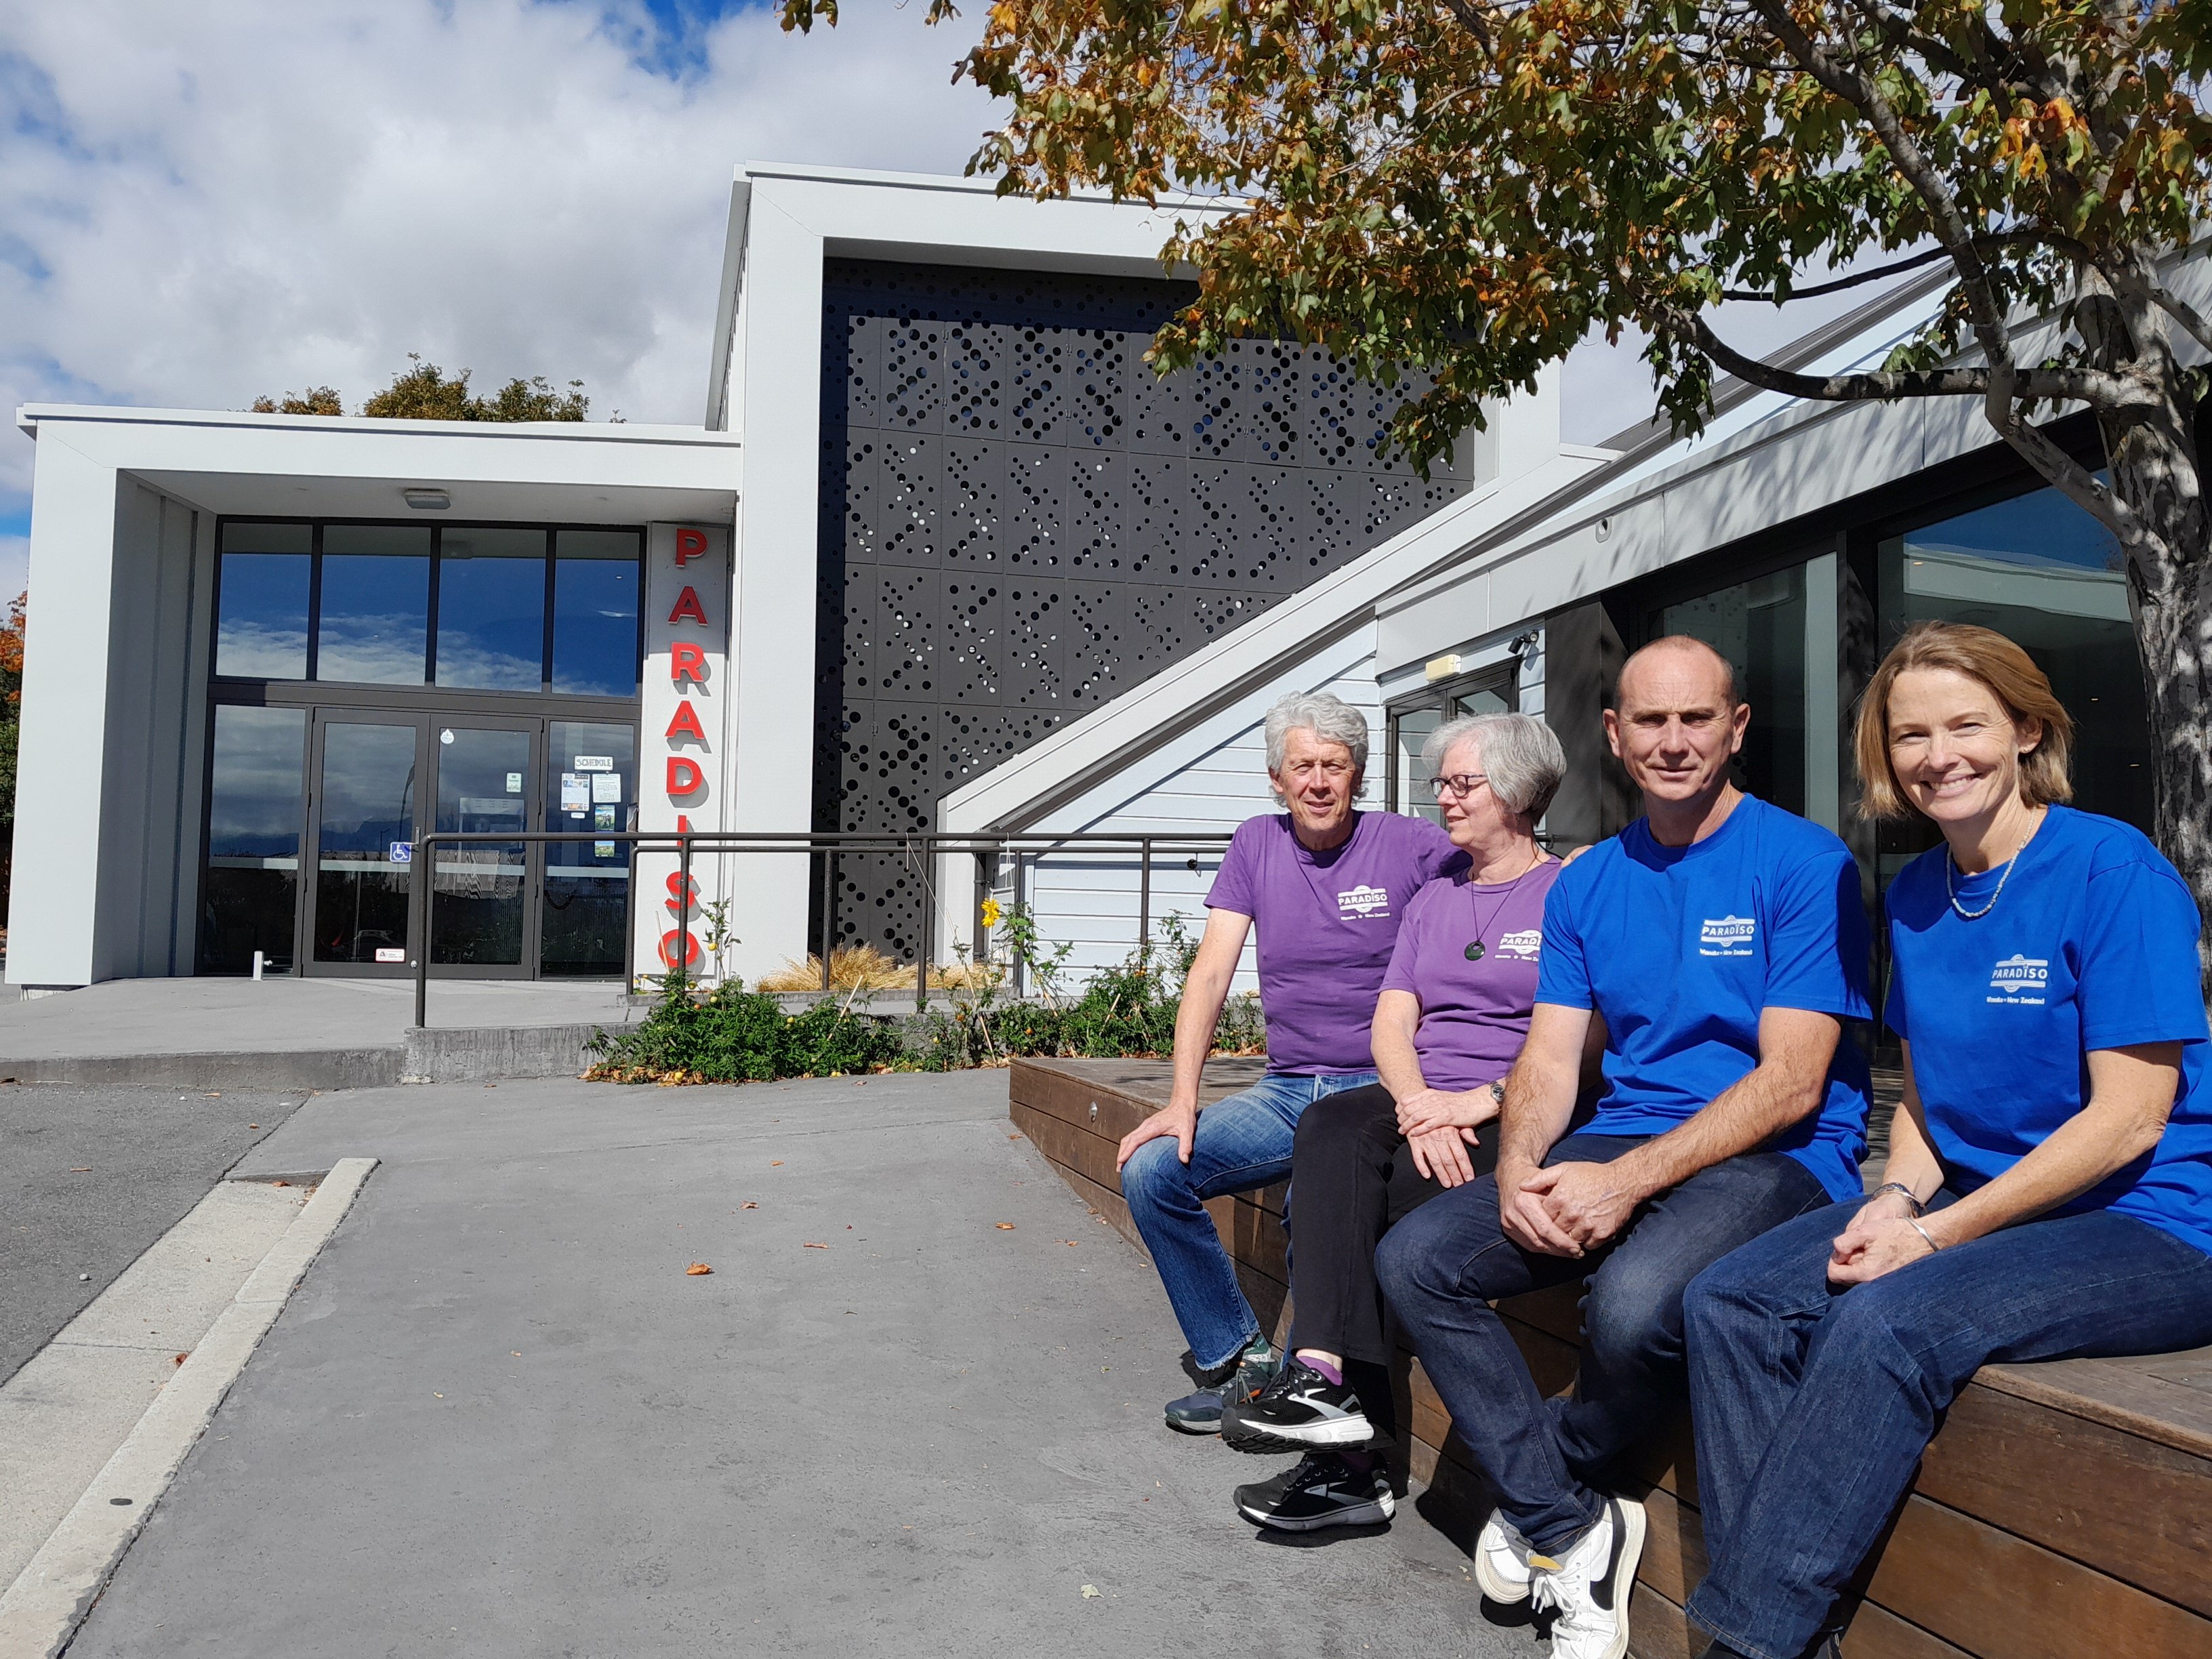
(1019, 521)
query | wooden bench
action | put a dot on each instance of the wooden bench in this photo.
(2063, 1511)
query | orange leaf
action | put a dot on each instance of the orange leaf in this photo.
(1006, 1226)
(178, 1360)
(775, 1163)
(810, 1245)
(280, 1183)
(749, 1205)
(697, 1268)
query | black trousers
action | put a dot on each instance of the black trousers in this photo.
(1352, 1179)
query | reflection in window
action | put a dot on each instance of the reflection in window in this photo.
(2041, 571)
(1759, 627)
(491, 608)
(253, 839)
(375, 622)
(595, 595)
(261, 630)
(1410, 778)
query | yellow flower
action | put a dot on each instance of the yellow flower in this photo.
(992, 913)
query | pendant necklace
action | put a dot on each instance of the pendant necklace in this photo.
(1475, 951)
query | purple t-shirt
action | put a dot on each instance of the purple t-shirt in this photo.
(1326, 924)
(1473, 1014)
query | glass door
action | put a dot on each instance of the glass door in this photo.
(591, 785)
(481, 919)
(364, 800)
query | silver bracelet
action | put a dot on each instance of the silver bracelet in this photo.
(1923, 1233)
(1903, 1191)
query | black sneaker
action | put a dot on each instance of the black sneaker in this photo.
(1299, 1408)
(1241, 1379)
(1322, 1490)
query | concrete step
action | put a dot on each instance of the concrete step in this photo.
(480, 1053)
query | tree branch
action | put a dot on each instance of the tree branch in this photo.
(1819, 288)
(1951, 228)
(2087, 385)
(2199, 328)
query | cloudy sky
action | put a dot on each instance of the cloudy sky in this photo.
(202, 203)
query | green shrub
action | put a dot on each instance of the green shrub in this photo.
(731, 1035)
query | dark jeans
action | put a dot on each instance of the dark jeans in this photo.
(1442, 1267)
(1812, 1402)
(1352, 1179)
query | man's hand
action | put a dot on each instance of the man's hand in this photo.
(1432, 1109)
(1441, 1155)
(1879, 1240)
(1172, 1119)
(1524, 1217)
(1587, 1202)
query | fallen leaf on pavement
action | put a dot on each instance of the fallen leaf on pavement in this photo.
(810, 1245)
(280, 1183)
(1006, 1226)
(697, 1268)
(1069, 1242)
(749, 1205)
(178, 1360)
(86, 1169)
(775, 1163)
(1013, 1137)
(1091, 1592)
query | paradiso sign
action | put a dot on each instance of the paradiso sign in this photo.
(683, 729)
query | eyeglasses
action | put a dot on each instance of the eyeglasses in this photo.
(1460, 785)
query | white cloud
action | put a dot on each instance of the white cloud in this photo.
(202, 203)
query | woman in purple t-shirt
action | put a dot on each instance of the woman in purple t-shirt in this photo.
(1452, 1014)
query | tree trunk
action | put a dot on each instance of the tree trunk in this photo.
(2155, 469)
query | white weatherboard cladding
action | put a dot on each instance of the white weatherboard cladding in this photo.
(1209, 782)
(687, 571)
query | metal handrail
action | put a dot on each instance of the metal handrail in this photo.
(928, 844)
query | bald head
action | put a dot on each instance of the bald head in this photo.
(1677, 672)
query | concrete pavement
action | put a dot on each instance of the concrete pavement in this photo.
(91, 1176)
(499, 1418)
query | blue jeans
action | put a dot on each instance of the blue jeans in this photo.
(1443, 1265)
(1243, 1141)
(1813, 1403)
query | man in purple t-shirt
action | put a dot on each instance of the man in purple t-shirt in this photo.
(1327, 887)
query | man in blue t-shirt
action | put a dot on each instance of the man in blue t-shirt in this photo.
(1722, 943)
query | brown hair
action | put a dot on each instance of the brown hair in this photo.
(1981, 655)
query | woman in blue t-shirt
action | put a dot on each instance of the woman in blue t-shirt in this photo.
(2049, 1189)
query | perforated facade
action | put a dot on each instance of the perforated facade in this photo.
(1019, 521)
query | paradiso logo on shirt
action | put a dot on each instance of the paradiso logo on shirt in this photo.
(1365, 902)
(1727, 936)
(1521, 946)
(2018, 979)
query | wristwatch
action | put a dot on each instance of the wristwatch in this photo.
(1903, 1192)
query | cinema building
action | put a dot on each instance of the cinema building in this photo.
(943, 553)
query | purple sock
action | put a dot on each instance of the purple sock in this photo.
(1336, 1377)
(1357, 1461)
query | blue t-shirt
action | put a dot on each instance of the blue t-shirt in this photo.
(1680, 949)
(2093, 945)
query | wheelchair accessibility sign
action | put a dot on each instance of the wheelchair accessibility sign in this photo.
(403, 851)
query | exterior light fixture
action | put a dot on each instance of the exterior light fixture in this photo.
(427, 501)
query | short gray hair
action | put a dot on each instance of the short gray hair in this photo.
(1520, 757)
(1325, 714)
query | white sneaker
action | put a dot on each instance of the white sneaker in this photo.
(1501, 1561)
(1587, 1587)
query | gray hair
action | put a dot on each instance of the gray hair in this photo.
(1520, 757)
(1325, 714)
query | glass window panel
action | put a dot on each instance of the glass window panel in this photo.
(366, 808)
(484, 780)
(2042, 572)
(595, 598)
(1410, 778)
(375, 622)
(1759, 627)
(590, 783)
(491, 608)
(252, 881)
(268, 538)
(262, 630)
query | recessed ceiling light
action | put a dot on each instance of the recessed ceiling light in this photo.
(427, 501)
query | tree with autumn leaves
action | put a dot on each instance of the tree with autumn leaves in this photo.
(1472, 188)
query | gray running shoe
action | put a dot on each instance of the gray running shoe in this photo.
(1241, 1379)
(1322, 1490)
